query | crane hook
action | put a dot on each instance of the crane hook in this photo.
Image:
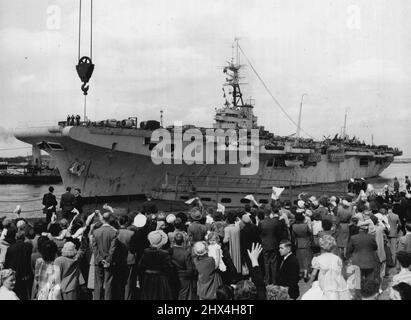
(85, 69)
(84, 88)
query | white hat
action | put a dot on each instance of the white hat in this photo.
(20, 223)
(333, 200)
(220, 208)
(209, 219)
(170, 218)
(345, 203)
(312, 199)
(157, 238)
(301, 204)
(352, 180)
(200, 248)
(140, 220)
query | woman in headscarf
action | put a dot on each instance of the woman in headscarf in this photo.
(329, 269)
(7, 283)
(301, 232)
(208, 278)
(344, 214)
(156, 269)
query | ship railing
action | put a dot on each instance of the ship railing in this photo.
(35, 124)
(184, 183)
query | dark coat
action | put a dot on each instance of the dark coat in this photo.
(78, 203)
(156, 270)
(139, 242)
(362, 250)
(185, 271)
(405, 210)
(288, 275)
(208, 277)
(49, 200)
(149, 207)
(66, 202)
(18, 258)
(182, 260)
(248, 236)
(271, 233)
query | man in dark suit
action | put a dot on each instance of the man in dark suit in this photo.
(270, 231)
(125, 272)
(289, 271)
(104, 244)
(149, 207)
(183, 263)
(362, 251)
(248, 236)
(49, 203)
(78, 200)
(66, 204)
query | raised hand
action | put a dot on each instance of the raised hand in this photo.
(255, 252)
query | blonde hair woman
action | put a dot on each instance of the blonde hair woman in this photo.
(329, 268)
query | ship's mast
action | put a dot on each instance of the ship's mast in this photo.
(345, 124)
(299, 116)
(232, 71)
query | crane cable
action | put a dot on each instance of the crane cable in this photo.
(85, 66)
(91, 29)
(272, 96)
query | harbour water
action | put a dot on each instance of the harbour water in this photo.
(29, 196)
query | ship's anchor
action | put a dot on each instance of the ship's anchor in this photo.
(85, 69)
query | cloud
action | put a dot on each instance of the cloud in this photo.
(6, 135)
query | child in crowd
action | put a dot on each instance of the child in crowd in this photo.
(214, 250)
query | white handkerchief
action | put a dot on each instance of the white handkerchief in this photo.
(276, 193)
(190, 201)
(220, 207)
(251, 198)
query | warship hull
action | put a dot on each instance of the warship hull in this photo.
(116, 162)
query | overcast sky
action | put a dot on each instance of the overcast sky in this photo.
(165, 54)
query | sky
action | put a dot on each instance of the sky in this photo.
(154, 55)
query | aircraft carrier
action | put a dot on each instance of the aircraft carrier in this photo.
(112, 159)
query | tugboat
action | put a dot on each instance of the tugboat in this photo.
(36, 171)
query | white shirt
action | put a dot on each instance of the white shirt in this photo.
(6, 294)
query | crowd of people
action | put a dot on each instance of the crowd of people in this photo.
(341, 248)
